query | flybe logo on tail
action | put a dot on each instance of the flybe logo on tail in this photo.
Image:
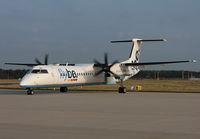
(68, 75)
(137, 55)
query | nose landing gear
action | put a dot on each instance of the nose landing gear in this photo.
(30, 91)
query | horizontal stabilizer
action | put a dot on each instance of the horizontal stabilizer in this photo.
(122, 41)
(156, 63)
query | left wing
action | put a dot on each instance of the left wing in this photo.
(10, 83)
(156, 63)
(22, 64)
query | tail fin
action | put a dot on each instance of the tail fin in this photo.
(135, 51)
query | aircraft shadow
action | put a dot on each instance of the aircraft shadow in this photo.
(50, 92)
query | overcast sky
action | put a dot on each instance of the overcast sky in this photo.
(80, 30)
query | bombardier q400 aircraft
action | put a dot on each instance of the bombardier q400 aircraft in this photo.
(64, 75)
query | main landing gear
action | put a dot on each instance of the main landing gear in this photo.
(63, 89)
(30, 91)
(122, 89)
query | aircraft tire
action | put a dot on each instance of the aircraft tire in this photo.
(63, 89)
(30, 92)
(122, 90)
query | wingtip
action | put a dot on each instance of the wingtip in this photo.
(193, 61)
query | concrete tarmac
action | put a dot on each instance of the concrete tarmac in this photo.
(97, 115)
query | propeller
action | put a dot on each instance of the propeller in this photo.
(105, 67)
(45, 60)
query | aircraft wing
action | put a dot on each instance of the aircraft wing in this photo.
(22, 64)
(10, 83)
(156, 63)
(31, 65)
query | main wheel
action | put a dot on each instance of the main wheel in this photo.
(122, 90)
(63, 89)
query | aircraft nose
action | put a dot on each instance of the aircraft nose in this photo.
(25, 82)
(22, 83)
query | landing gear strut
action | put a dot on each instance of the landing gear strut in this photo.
(122, 89)
(30, 91)
(63, 89)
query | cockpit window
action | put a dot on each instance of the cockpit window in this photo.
(44, 71)
(35, 71)
(39, 71)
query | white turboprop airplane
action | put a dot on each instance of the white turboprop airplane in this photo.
(64, 75)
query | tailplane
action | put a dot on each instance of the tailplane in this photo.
(135, 51)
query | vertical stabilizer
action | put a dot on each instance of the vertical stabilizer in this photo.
(135, 51)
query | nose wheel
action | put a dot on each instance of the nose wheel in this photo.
(30, 91)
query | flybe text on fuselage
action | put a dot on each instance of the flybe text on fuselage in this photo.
(68, 75)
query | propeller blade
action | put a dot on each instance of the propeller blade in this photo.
(99, 72)
(106, 59)
(46, 59)
(105, 77)
(37, 61)
(115, 62)
(115, 75)
(97, 63)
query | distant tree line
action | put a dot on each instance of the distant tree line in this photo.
(144, 74)
(12, 74)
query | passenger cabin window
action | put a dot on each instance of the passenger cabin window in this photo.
(39, 71)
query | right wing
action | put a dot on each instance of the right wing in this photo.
(156, 63)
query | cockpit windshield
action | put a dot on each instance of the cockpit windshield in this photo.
(39, 71)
